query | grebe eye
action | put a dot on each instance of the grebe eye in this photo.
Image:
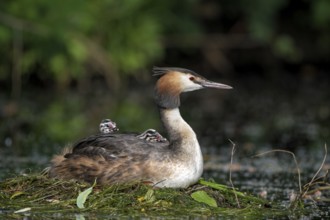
(192, 78)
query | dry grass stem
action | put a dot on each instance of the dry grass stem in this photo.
(231, 163)
(294, 158)
(313, 181)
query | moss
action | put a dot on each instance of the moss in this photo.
(44, 195)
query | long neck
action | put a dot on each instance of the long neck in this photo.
(180, 134)
(183, 140)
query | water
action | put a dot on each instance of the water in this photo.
(273, 176)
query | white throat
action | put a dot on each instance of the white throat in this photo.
(187, 158)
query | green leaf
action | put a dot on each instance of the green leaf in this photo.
(203, 197)
(213, 185)
(82, 197)
(219, 187)
(150, 196)
(18, 193)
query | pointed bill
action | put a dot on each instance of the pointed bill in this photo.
(215, 85)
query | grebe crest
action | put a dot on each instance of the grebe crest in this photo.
(110, 158)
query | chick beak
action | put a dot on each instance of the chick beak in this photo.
(209, 84)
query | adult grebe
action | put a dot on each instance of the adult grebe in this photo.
(121, 158)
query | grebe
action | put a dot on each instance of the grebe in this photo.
(107, 126)
(121, 158)
(152, 135)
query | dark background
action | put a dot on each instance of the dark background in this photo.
(66, 65)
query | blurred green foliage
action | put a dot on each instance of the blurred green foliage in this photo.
(68, 39)
(62, 119)
(64, 41)
(283, 24)
(262, 17)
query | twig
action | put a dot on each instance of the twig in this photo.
(321, 188)
(307, 186)
(231, 163)
(294, 158)
(195, 189)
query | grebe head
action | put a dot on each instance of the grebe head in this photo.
(174, 81)
(108, 126)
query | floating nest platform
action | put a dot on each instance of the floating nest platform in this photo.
(38, 195)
